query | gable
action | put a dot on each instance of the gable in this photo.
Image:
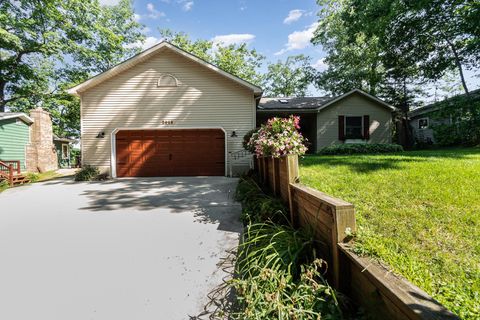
(160, 48)
(356, 101)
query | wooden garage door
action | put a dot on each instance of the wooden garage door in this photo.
(154, 153)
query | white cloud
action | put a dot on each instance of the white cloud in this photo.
(146, 30)
(154, 13)
(293, 16)
(149, 42)
(229, 39)
(137, 17)
(320, 64)
(187, 6)
(299, 39)
(109, 2)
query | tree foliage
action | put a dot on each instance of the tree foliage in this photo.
(391, 47)
(238, 60)
(289, 78)
(47, 46)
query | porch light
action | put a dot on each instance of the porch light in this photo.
(234, 134)
(101, 134)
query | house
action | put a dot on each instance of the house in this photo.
(14, 137)
(165, 112)
(354, 117)
(423, 119)
(29, 139)
(62, 147)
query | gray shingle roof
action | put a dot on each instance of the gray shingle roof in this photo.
(309, 103)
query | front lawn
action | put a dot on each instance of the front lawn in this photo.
(417, 211)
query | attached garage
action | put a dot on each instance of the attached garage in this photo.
(165, 112)
(187, 152)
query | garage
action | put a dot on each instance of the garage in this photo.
(180, 152)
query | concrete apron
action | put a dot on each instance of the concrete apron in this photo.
(121, 249)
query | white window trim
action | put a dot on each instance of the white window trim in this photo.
(167, 75)
(113, 151)
(345, 128)
(428, 123)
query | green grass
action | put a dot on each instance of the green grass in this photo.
(417, 211)
(34, 177)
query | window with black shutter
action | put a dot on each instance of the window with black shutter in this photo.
(353, 127)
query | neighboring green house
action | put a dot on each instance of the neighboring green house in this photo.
(62, 145)
(14, 136)
(30, 140)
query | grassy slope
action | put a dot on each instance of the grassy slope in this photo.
(417, 211)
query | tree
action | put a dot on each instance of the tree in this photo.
(289, 78)
(236, 59)
(48, 46)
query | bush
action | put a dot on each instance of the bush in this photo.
(33, 177)
(257, 206)
(354, 148)
(87, 173)
(246, 140)
(277, 138)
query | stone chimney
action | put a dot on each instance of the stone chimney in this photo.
(41, 153)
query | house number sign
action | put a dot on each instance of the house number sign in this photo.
(166, 122)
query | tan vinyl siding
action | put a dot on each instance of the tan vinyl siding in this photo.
(354, 105)
(132, 99)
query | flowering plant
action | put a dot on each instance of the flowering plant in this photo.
(279, 137)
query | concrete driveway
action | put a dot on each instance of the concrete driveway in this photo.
(121, 249)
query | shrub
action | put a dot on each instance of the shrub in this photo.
(246, 140)
(354, 148)
(87, 173)
(257, 206)
(32, 176)
(278, 137)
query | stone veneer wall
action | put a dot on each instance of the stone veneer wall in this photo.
(41, 154)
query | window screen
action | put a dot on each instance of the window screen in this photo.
(353, 128)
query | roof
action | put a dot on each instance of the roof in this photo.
(145, 55)
(62, 139)
(437, 105)
(313, 104)
(11, 115)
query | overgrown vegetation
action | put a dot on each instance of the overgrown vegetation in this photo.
(278, 273)
(417, 211)
(359, 148)
(88, 173)
(464, 113)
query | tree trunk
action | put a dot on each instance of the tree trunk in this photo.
(2, 96)
(459, 67)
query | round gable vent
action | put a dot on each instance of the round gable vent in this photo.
(167, 80)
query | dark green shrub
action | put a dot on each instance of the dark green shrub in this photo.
(360, 148)
(87, 173)
(257, 206)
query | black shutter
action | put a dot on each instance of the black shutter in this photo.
(366, 127)
(341, 128)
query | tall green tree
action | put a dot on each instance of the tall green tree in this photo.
(236, 59)
(289, 78)
(47, 46)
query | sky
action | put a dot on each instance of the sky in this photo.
(275, 28)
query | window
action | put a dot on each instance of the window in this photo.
(423, 123)
(167, 80)
(65, 151)
(353, 128)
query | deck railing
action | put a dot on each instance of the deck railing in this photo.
(8, 168)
